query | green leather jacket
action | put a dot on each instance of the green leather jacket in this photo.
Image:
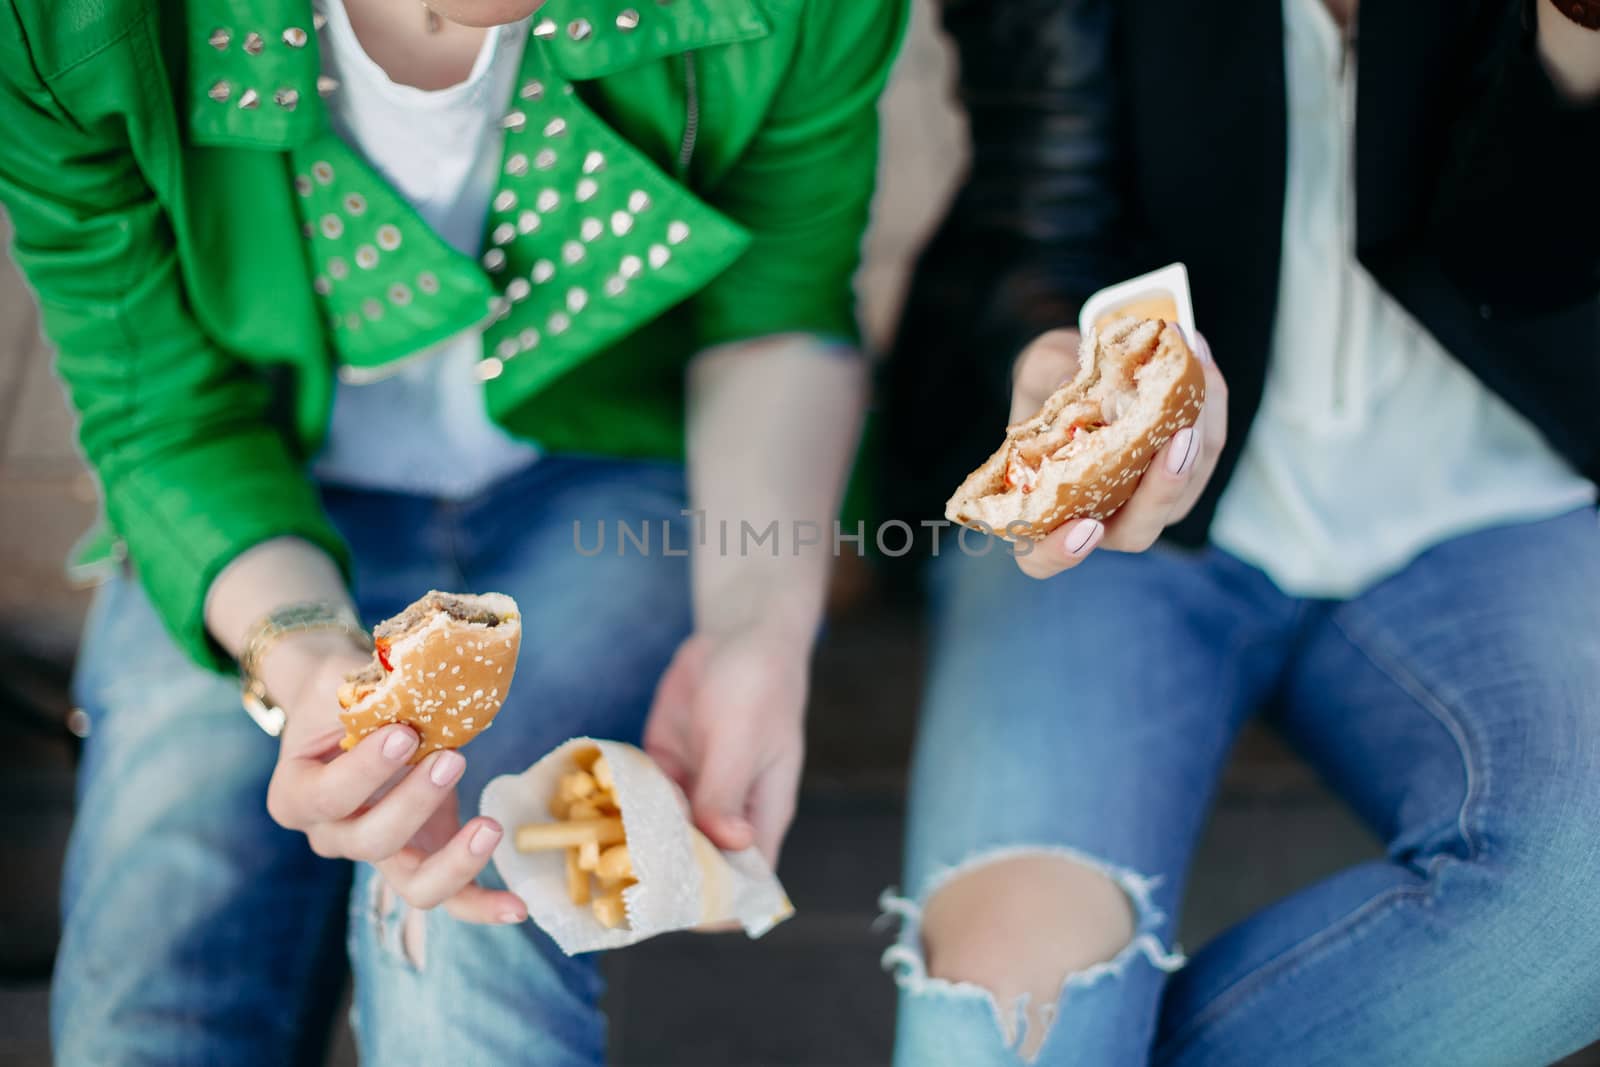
(207, 255)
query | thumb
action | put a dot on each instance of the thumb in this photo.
(718, 803)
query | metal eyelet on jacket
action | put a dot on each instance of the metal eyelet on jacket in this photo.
(525, 220)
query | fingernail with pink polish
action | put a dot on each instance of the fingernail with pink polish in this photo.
(509, 917)
(1203, 350)
(1082, 539)
(446, 767)
(1181, 455)
(483, 840)
(399, 744)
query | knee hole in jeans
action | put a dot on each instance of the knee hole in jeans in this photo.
(1019, 927)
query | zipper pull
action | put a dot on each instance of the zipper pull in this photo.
(691, 116)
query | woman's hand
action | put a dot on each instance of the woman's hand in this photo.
(368, 804)
(1167, 491)
(773, 426)
(728, 726)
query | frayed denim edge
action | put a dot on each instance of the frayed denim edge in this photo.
(904, 957)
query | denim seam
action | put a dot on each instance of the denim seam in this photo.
(1475, 769)
(1298, 954)
(1289, 960)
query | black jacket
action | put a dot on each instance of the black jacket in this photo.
(1113, 136)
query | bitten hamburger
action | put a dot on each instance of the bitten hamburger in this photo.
(1083, 454)
(442, 667)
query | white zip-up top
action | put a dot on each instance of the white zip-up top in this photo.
(423, 428)
(1371, 444)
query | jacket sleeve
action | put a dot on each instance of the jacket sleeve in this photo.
(190, 467)
(804, 185)
(1033, 230)
(1517, 218)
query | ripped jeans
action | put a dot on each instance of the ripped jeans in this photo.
(1455, 706)
(197, 931)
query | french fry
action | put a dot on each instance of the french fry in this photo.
(540, 836)
(610, 910)
(589, 830)
(614, 865)
(577, 879)
(575, 785)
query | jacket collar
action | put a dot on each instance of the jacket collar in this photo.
(255, 65)
(587, 239)
(253, 70)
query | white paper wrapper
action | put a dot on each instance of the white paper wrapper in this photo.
(684, 881)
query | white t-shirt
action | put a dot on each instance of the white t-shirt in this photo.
(1371, 443)
(423, 429)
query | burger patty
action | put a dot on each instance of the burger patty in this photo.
(458, 608)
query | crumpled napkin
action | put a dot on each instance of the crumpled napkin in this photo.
(684, 880)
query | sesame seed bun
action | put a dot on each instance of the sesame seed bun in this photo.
(442, 667)
(1083, 454)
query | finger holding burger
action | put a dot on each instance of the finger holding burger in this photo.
(349, 776)
(1167, 491)
(1111, 442)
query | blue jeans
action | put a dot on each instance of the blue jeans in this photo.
(199, 932)
(1455, 706)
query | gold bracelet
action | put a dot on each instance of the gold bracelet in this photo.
(304, 618)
